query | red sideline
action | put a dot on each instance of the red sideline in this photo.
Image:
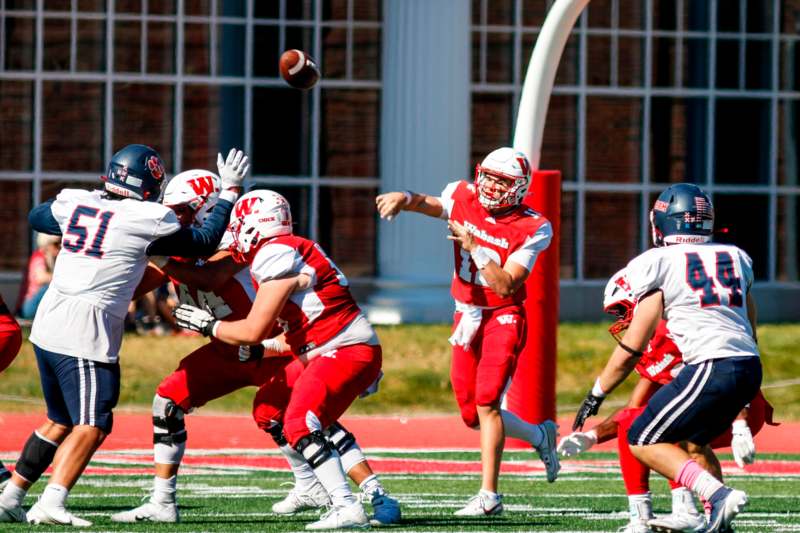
(238, 431)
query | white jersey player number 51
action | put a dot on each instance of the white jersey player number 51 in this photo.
(469, 272)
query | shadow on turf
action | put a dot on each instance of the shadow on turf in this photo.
(449, 523)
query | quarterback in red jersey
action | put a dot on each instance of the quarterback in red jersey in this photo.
(10, 342)
(496, 242)
(301, 288)
(659, 364)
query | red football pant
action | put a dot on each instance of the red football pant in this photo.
(635, 474)
(269, 404)
(10, 340)
(214, 370)
(480, 375)
(327, 387)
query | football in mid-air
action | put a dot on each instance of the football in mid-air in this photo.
(299, 69)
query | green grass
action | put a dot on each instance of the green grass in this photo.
(578, 502)
(416, 367)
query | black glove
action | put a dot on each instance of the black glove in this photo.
(588, 408)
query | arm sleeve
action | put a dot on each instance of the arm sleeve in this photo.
(42, 220)
(195, 242)
(644, 273)
(526, 254)
(747, 269)
(274, 261)
(446, 198)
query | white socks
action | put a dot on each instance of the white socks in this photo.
(683, 501)
(54, 495)
(12, 495)
(706, 485)
(332, 477)
(164, 490)
(519, 429)
(640, 507)
(371, 485)
(303, 473)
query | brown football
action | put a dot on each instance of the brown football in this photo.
(299, 69)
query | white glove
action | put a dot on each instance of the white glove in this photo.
(576, 443)
(233, 170)
(193, 318)
(372, 389)
(744, 449)
(467, 327)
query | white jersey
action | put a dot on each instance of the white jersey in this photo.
(101, 262)
(705, 297)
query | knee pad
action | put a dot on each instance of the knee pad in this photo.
(315, 448)
(276, 432)
(341, 439)
(168, 425)
(36, 456)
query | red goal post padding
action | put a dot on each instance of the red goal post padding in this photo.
(532, 394)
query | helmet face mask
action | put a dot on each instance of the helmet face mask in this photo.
(136, 172)
(502, 179)
(683, 213)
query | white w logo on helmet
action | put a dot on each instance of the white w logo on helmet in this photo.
(197, 189)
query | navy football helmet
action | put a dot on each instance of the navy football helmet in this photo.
(683, 213)
(136, 172)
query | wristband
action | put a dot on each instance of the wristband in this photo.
(215, 327)
(409, 197)
(592, 434)
(480, 257)
(272, 345)
(740, 423)
(229, 195)
(597, 390)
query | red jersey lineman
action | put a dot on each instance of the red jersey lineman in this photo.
(496, 242)
(299, 286)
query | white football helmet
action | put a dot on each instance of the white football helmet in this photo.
(507, 164)
(259, 215)
(198, 189)
(618, 300)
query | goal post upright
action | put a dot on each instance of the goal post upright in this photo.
(532, 393)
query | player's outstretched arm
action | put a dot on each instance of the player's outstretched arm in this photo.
(752, 314)
(152, 279)
(391, 203)
(42, 220)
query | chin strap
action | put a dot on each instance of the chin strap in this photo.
(635, 353)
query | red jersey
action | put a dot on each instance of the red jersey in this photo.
(519, 235)
(662, 360)
(313, 316)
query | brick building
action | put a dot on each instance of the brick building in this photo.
(414, 92)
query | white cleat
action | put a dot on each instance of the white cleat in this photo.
(547, 450)
(39, 514)
(480, 505)
(678, 523)
(725, 510)
(386, 510)
(298, 500)
(347, 517)
(635, 526)
(149, 512)
(12, 514)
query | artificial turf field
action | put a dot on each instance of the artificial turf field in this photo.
(223, 492)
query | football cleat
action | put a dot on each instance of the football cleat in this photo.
(679, 522)
(12, 514)
(386, 510)
(547, 450)
(480, 505)
(59, 516)
(346, 517)
(725, 508)
(312, 497)
(635, 526)
(149, 512)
